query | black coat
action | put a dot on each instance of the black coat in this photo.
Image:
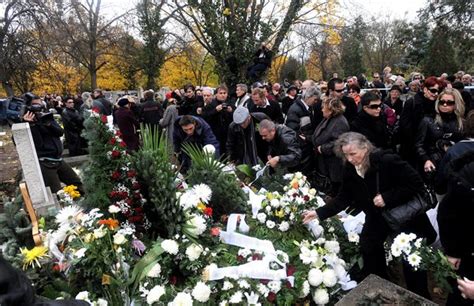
(397, 106)
(272, 110)
(293, 120)
(73, 126)
(431, 136)
(351, 108)
(104, 105)
(325, 135)
(286, 103)
(245, 146)
(413, 112)
(46, 137)
(151, 112)
(219, 121)
(286, 145)
(457, 208)
(128, 125)
(374, 128)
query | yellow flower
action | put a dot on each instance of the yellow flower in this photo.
(280, 213)
(269, 196)
(201, 206)
(105, 279)
(71, 190)
(226, 11)
(30, 257)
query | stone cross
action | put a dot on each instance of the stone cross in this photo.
(40, 195)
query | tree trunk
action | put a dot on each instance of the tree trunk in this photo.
(8, 88)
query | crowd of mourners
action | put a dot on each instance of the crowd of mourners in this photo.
(366, 145)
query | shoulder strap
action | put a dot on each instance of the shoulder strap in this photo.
(377, 184)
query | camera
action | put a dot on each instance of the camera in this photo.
(38, 110)
(224, 105)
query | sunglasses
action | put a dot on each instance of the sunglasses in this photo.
(339, 90)
(433, 90)
(447, 102)
(375, 106)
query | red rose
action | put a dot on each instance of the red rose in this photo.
(136, 185)
(240, 258)
(56, 268)
(96, 110)
(295, 195)
(131, 173)
(115, 175)
(103, 118)
(215, 231)
(290, 270)
(122, 144)
(112, 140)
(271, 297)
(115, 154)
(306, 198)
(118, 133)
(135, 219)
(208, 211)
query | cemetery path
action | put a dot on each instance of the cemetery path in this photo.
(9, 163)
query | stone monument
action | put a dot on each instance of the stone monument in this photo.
(40, 195)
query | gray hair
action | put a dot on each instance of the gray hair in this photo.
(357, 139)
(244, 87)
(311, 91)
(267, 125)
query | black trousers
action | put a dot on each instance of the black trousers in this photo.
(56, 172)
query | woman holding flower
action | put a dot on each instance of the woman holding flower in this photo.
(397, 183)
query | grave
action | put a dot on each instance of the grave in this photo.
(374, 290)
(40, 195)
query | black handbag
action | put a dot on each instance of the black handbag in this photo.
(399, 216)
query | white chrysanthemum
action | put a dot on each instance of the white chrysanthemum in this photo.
(68, 214)
(411, 236)
(201, 292)
(119, 239)
(236, 298)
(154, 271)
(340, 271)
(275, 203)
(414, 260)
(170, 246)
(80, 253)
(329, 278)
(188, 200)
(332, 246)
(261, 217)
(114, 209)
(284, 226)
(353, 237)
(264, 291)
(320, 241)
(418, 242)
(100, 232)
(209, 149)
(198, 225)
(155, 294)
(395, 250)
(315, 277)
(305, 289)
(243, 284)
(308, 256)
(203, 192)
(321, 296)
(59, 235)
(227, 286)
(268, 208)
(101, 302)
(274, 286)
(270, 224)
(193, 251)
(402, 240)
(83, 296)
(182, 299)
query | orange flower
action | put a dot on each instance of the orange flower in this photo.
(111, 223)
(215, 231)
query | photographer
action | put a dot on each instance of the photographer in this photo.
(46, 135)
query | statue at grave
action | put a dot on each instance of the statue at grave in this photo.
(46, 134)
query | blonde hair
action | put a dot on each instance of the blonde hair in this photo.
(334, 105)
(458, 106)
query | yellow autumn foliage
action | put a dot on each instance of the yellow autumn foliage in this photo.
(277, 64)
(52, 76)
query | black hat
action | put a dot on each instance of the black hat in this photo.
(123, 102)
(396, 87)
(292, 87)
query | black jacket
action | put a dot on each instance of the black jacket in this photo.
(325, 135)
(397, 106)
(293, 120)
(431, 136)
(457, 208)
(286, 145)
(46, 139)
(73, 126)
(286, 103)
(351, 108)
(104, 105)
(272, 110)
(151, 112)
(398, 183)
(219, 121)
(374, 128)
(245, 146)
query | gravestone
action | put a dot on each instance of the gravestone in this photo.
(40, 195)
(374, 290)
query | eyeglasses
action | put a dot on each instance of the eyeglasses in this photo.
(447, 102)
(375, 106)
(339, 90)
(433, 91)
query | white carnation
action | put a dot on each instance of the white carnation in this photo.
(198, 225)
(274, 286)
(227, 286)
(119, 239)
(305, 289)
(275, 203)
(284, 226)
(193, 251)
(170, 246)
(332, 246)
(321, 296)
(315, 277)
(329, 277)
(270, 224)
(262, 217)
(83, 296)
(155, 294)
(264, 291)
(154, 271)
(182, 299)
(236, 298)
(353, 237)
(201, 292)
(203, 192)
(114, 209)
(243, 284)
